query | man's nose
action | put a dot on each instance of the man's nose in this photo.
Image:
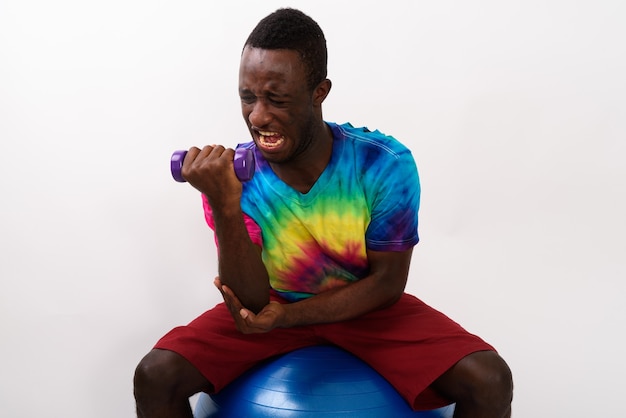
(260, 115)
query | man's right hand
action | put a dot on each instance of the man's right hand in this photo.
(211, 171)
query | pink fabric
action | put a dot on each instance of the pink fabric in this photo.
(253, 229)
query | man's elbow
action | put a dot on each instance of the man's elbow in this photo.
(256, 303)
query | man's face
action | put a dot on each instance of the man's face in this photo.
(276, 102)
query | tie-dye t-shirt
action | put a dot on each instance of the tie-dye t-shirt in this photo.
(366, 198)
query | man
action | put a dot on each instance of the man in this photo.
(315, 249)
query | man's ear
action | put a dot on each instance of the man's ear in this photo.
(321, 91)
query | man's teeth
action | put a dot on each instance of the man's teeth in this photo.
(270, 139)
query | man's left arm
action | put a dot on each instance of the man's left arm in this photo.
(381, 288)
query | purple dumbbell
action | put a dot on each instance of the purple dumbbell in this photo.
(243, 162)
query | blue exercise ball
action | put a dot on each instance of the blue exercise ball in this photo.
(313, 382)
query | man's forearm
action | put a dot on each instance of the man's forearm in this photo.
(240, 264)
(343, 303)
(380, 289)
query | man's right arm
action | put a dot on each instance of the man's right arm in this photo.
(241, 267)
(240, 263)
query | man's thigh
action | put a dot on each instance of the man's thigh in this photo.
(410, 344)
(221, 353)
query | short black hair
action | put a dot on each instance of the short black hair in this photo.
(289, 28)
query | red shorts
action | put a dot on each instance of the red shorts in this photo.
(409, 343)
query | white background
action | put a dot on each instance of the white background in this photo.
(515, 112)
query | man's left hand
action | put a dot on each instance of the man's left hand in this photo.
(270, 317)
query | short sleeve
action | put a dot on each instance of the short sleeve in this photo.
(395, 200)
(254, 231)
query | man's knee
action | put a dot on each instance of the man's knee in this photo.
(154, 371)
(489, 378)
(166, 374)
(482, 378)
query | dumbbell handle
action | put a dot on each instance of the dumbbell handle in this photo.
(243, 163)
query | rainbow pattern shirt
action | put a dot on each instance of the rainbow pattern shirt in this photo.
(366, 198)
